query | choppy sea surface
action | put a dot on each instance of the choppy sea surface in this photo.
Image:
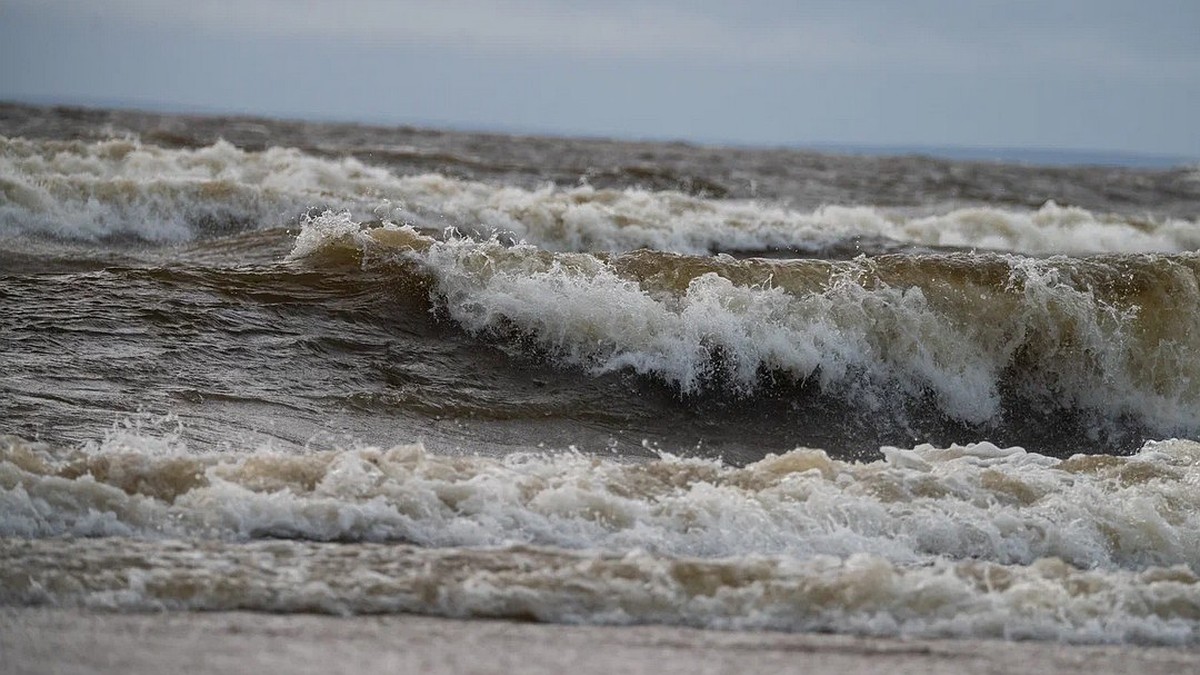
(283, 366)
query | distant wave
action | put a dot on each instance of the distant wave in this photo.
(125, 189)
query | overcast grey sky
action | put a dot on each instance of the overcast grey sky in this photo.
(1072, 74)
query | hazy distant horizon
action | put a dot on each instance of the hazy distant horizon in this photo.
(1116, 79)
(1040, 156)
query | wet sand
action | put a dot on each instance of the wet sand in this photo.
(69, 641)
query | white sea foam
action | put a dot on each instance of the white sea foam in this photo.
(916, 506)
(589, 219)
(79, 190)
(1050, 229)
(968, 541)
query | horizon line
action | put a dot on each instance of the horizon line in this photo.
(1009, 154)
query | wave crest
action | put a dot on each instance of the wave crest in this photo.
(974, 332)
(110, 189)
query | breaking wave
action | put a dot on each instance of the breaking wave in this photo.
(977, 334)
(122, 188)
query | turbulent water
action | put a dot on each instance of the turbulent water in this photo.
(298, 367)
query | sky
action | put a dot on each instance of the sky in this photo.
(1063, 74)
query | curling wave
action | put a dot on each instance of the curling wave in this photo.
(977, 334)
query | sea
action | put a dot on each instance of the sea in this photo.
(286, 366)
